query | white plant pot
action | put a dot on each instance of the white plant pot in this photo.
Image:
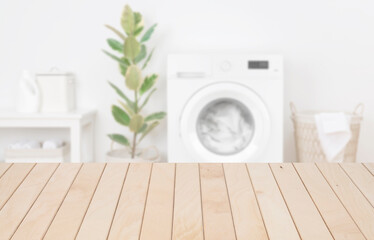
(143, 155)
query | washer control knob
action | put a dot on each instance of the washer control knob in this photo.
(225, 66)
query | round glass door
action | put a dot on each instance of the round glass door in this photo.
(225, 122)
(225, 126)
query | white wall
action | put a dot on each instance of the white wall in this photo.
(328, 48)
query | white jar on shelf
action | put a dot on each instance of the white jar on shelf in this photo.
(28, 94)
(57, 91)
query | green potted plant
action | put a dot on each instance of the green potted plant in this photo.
(132, 56)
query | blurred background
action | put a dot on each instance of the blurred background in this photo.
(328, 49)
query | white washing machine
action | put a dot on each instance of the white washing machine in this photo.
(225, 108)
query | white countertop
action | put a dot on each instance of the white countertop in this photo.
(77, 114)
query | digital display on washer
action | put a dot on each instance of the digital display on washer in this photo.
(258, 64)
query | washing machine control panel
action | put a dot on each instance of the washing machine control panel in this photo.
(258, 64)
(224, 65)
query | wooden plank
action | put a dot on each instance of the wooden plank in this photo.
(307, 219)
(129, 215)
(11, 180)
(71, 213)
(363, 179)
(23, 198)
(4, 167)
(37, 221)
(340, 223)
(100, 213)
(245, 211)
(355, 203)
(187, 224)
(217, 218)
(277, 219)
(64, 203)
(370, 167)
(158, 215)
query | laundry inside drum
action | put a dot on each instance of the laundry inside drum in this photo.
(225, 126)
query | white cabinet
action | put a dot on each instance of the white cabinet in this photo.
(80, 124)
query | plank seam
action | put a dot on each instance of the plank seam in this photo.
(228, 197)
(310, 196)
(145, 202)
(340, 201)
(172, 216)
(284, 200)
(119, 197)
(201, 203)
(27, 212)
(354, 183)
(27, 174)
(258, 205)
(365, 165)
(63, 200)
(84, 216)
(6, 170)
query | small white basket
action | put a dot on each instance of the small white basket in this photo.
(308, 147)
(37, 155)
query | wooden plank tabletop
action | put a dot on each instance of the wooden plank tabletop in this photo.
(187, 201)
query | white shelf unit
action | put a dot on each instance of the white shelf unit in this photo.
(80, 123)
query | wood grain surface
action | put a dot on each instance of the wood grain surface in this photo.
(191, 201)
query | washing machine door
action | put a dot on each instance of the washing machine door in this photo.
(225, 122)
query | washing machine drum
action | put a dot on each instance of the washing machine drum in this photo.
(225, 122)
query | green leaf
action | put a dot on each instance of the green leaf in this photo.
(143, 128)
(128, 20)
(147, 35)
(119, 34)
(115, 45)
(147, 99)
(127, 108)
(133, 77)
(120, 116)
(148, 59)
(148, 130)
(121, 61)
(119, 139)
(142, 54)
(131, 48)
(136, 123)
(148, 83)
(138, 19)
(123, 69)
(138, 31)
(155, 116)
(139, 23)
(122, 95)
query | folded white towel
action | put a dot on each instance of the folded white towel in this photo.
(26, 144)
(53, 144)
(334, 133)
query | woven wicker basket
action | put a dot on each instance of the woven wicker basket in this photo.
(308, 147)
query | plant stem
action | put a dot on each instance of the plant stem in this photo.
(135, 133)
(133, 146)
(136, 102)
